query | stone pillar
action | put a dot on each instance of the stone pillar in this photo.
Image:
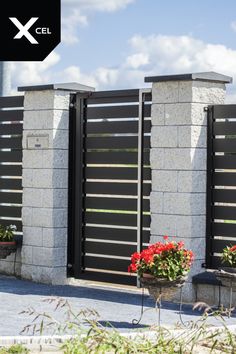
(45, 181)
(178, 159)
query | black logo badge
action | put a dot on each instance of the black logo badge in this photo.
(29, 29)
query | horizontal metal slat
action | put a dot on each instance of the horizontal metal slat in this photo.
(10, 211)
(218, 245)
(124, 235)
(11, 184)
(224, 179)
(224, 145)
(7, 197)
(11, 116)
(224, 128)
(110, 249)
(115, 142)
(10, 170)
(224, 195)
(108, 277)
(115, 188)
(115, 219)
(224, 229)
(225, 111)
(11, 101)
(129, 111)
(11, 129)
(11, 143)
(116, 127)
(122, 173)
(115, 203)
(117, 96)
(11, 156)
(118, 157)
(119, 265)
(224, 212)
(224, 162)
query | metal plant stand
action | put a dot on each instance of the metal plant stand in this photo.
(158, 306)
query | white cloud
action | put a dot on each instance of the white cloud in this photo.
(97, 5)
(33, 73)
(75, 13)
(148, 55)
(136, 60)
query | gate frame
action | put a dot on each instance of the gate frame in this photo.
(76, 163)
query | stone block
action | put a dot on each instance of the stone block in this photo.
(184, 159)
(32, 197)
(55, 159)
(163, 136)
(55, 198)
(192, 136)
(185, 203)
(201, 92)
(46, 120)
(158, 111)
(178, 225)
(192, 181)
(49, 257)
(164, 181)
(46, 100)
(55, 237)
(190, 226)
(46, 275)
(33, 236)
(27, 216)
(156, 202)
(49, 217)
(162, 224)
(185, 114)
(165, 92)
(157, 158)
(33, 159)
(45, 178)
(27, 254)
(57, 139)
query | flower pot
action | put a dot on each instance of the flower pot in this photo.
(162, 287)
(6, 248)
(227, 276)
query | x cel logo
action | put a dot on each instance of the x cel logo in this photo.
(24, 30)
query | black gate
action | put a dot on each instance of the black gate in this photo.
(110, 176)
(11, 128)
(221, 182)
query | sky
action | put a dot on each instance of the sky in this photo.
(114, 44)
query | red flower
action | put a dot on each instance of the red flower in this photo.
(233, 248)
(132, 268)
(135, 257)
(165, 237)
(180, 245)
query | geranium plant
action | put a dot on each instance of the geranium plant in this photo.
(229, 255)
(7, 233)
(168, 260)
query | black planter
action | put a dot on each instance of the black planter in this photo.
(6, 248)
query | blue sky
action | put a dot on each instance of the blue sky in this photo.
(113, 44)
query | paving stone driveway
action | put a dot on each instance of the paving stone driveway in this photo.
(116, 306)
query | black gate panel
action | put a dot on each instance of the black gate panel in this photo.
(221, 182)
(110, 182)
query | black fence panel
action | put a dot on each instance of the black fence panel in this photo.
(110, 183)
(221, 182)
(11, 130)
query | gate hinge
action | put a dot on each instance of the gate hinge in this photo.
(206, 109)
(69, 266)
(203, 265)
